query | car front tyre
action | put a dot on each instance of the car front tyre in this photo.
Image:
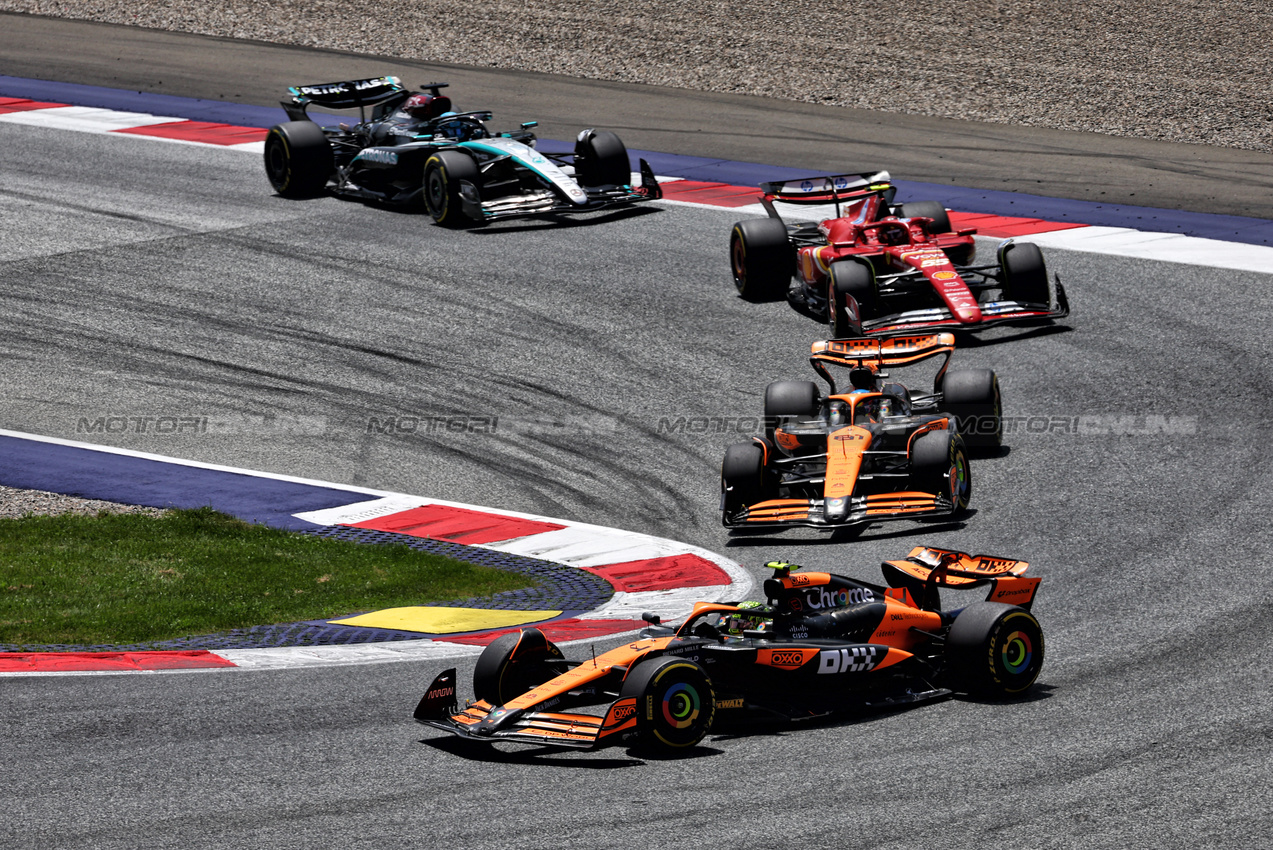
(443, 172)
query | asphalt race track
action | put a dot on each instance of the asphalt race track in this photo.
(596, 369)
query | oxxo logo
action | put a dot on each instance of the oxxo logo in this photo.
(786, 659)
(857, 659)
(438, 693)
(623, 712)
(838, 598)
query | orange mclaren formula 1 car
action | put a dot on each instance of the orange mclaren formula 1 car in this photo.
(877, 268)
(820, 644)
(868, 452)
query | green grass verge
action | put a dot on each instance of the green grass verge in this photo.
(128, 578)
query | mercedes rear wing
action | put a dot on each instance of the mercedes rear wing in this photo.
(349, 94)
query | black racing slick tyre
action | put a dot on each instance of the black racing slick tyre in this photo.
(791, 398)
(1025, 275)
(960, 255)
(601, 159)
(939, 464)
(298, 159)
(927, 209)
(994, 650)
(513, 664)
(973, 397)
(443, 172)
(786, 400)
(762, 259)
(851, 298)
(742, 476)
(676, 703)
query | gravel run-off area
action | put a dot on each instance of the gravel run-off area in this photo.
(16, 503)
(1194, 71)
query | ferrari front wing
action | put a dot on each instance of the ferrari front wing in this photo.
(993, 313)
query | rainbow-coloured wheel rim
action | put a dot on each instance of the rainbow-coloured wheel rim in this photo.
(681, 705)
(1018, 651)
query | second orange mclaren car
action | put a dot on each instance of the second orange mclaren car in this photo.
(872, 451)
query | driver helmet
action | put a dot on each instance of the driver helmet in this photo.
(868, 410)
(898, 235)
(739, 621)
(459, 130)
(862, 378)
(426, 106)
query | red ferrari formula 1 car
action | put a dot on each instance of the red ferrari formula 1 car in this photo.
(878, 268)
(820, 644)
(869, 452)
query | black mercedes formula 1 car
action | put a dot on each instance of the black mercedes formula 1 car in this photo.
(818, 645)
(414, 148)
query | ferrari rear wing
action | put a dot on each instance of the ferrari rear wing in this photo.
(829, 189)
(927, 568)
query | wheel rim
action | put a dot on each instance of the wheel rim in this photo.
(681, 706)
(436, 192)
(959, 483)
(738, 258)
(276, 162)
(1018, 651)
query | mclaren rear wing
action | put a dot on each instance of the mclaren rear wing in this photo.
(927, 568)
(880, 352)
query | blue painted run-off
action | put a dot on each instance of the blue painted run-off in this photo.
(92, 474)
(1254, 231)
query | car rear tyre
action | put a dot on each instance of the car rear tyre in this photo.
(762, 258)
(994, 650)
(298, 159)
(1025, 275)
(442, 175)
(927, 209)
(676, 703)
(789, 400)
(939, 464)
(972, 396)
(513, 664)
(851, 298)
(742, 476)
(601, 159)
